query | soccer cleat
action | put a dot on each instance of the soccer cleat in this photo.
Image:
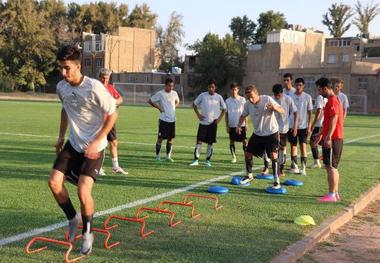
(303, 171)
(276, 185)
(101, 172)
(73, 226)
(328, 199)
(119, 170)
(194, 163)
(294, 170)
(233, 160)
(208, 163)
(86, 247)
(169, 159)
(317, 164)
(248, 178)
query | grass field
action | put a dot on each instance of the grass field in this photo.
(252, 227)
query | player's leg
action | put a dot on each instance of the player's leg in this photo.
(253, 148)
(201, 136)
(233, 151)
(293, 152)
(282, 154)
(266, 160)
(211, 139)
(158, 148)
(314, 149)
(271, 146)
(169, 143)
(114, 157)
(303, 149)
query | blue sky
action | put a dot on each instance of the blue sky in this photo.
(201, 17)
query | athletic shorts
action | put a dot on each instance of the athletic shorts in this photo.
(74, 164)
(313, 136)
(238, 137)
(111, 136)
(331, 156)
(258, 144)
(166, 130)
(207, 133)
(283, 139)
(301, 135)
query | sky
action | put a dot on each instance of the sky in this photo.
(202, 17)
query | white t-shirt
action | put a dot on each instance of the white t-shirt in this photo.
(320, 103)
(211, 106)
(263, 119)
(85, 105)
(289, 92)
(287, 103)
(167, 101)
(304, 104)
(235, 107)
(343, 100)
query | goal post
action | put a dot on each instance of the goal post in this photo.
(358, 104)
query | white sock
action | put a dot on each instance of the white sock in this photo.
(115, 163)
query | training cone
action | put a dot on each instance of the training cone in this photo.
(304, 220)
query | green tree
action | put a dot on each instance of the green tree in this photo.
(243, 31)
(365, 14)
(336, 19)
(142, 17)
(268, 22)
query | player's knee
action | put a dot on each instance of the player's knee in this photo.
(54, 185)
(83, 194)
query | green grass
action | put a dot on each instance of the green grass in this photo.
(252, 227)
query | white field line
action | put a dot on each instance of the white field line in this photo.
(52, 227)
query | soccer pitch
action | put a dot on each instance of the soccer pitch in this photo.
(251, 227)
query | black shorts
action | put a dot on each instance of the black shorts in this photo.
(207, 133)
(313, 136)
(74, 164)
(258, 144)
(283, 139)
(166, 130)
(238, 137)
(111, 136)
(301, 135)
(331, 156)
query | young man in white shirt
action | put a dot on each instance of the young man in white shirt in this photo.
(265, 138)
(304, 106)
(235, 105)
(212, 110)
(342, 97)
(85, 102)
(288, 85)
(166, 102)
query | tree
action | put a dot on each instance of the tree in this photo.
(365, 14)
(169, 40)
(268, 22)
(142, 17)
(243, 31)
(336, 19)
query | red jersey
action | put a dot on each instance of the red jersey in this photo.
(112, 90)
(332, 108)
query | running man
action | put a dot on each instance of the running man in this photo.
(104, 77)
(85, 103)
(235, 105)
(165, 101)
(342, 97)
(331, 138)
(213, 108)
(304, 106)
(261, 109)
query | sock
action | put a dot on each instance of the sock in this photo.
(168, 149)
(248, 165)
(87, 224)
(294, 160)
(158, 149)
(315, 153)
(68, 209)
(209, 151)
(266, 161)
(244, 147)
(115, 162)
(275, 169)
(303, 161)
(280, 156)
(233, 150)
(331, 194)
(284, 159)
(197, 151)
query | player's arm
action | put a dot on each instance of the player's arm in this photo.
(220, 116)
(241, 121)
(309, 113)
(226, 118)
(200, 116)
(155, 105)
(177, 102)
(119, 100)
(295, 124)
(275, 107)
(344, 113)
(332, 125)
(62, 131)
(316, 117)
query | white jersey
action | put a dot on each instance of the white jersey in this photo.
(289, 92)
(304, 104)
(343, 100)
(211, 106)
(235, 107)
(320, 103)
(263, 119)
(85, 105)
(167, 101)
(287, 103)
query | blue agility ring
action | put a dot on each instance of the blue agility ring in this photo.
(264, 176)
(293, 182)
(217, 189)
(279, 191)
(236, 181)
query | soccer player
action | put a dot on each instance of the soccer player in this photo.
(165, 101)
(213, 108)
(331, 138)
(104, 77)
(288, 86)
(261, 109)
(304, 106)
(235, 105)
(85, 102)
(342, 97)
(316, 127)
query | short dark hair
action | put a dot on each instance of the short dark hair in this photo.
(168, 81)
(69, 52)
(234, 85)
(323, 82)
(288, 75)
(299, 80)
(251, 88)
(277, 88)
(212, 81)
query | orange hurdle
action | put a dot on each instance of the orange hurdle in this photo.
(140, 221)
(192, 214)
(97, 230)
(209, 197)
(54, 241)
(159, 211)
